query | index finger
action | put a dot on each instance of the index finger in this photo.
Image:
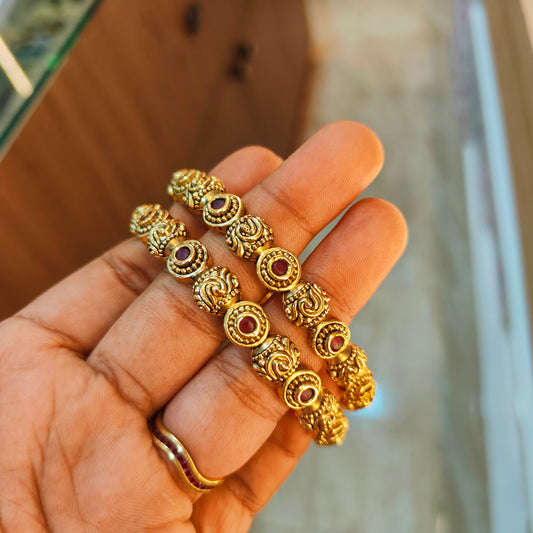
(82, 307)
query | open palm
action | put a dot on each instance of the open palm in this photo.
(85, 365)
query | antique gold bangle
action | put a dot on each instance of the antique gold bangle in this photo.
(305, 303)
(216, 290)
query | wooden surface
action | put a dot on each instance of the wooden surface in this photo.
(139, 97)
(513, 49)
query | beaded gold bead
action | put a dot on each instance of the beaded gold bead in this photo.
(216, 289)
(180, 181)
(330, 338)
(349, 370)
(188, 260)
(248, 236)
(246, 324)
(306, 305)
(164, 236)
(194, 188)
(145, 217)
(278, 269)
(301, 389)
(276, 358)
(222, 210)
(325, 419)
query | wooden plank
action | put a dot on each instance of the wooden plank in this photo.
(138, 98)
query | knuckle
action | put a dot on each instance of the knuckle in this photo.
(129, 274)
(246, 387)
(125, 383)
(260, 155)
(245, 494)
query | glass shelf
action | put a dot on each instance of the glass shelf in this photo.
(34, 38)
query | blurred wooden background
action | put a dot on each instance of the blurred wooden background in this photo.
(146, 90)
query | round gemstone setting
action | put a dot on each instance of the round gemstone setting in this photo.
(183, 253)
(280, 267)
(247, 325)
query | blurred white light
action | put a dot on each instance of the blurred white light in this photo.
(14, 71)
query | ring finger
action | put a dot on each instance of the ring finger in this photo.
(226, 412)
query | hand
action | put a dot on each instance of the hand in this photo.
(85, 365)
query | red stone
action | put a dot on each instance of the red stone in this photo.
(248, 324)
(307, 394)
(183, 253)
(217, 203)
(280, 267)
(336, 343)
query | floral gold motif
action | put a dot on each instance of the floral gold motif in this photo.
(180, 181)
(306, 305)
(194, 188)
(216, 289)
(326, 421)
(145, 217)
(350, 372)
(248, 236)
(164, 236)
(276, 358)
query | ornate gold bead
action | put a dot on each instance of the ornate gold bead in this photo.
(301, 389)
(349, 370)
(145, 217)
(276, 358)
(216, 289)
(330, 338)
(180, 181)
(188, 260)
(278, 269)
(222, 210)
(194, 188)
(248, 236)
(326, 420)
(306, 305)
(164, 236)
(246, 324)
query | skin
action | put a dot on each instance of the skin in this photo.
(85, 365)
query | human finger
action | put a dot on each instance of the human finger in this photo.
(226, 412)
(244, 493)
(83, 306)
(164, 330)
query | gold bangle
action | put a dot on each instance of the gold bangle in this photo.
(216, 290)
(279, 270)
(178, 455)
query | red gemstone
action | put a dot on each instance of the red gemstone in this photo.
(336, 343)
(217, 203)
(280, 267)
(183, 253)
(247, 325)
(306, 395)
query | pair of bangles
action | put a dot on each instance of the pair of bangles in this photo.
(216, 290)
